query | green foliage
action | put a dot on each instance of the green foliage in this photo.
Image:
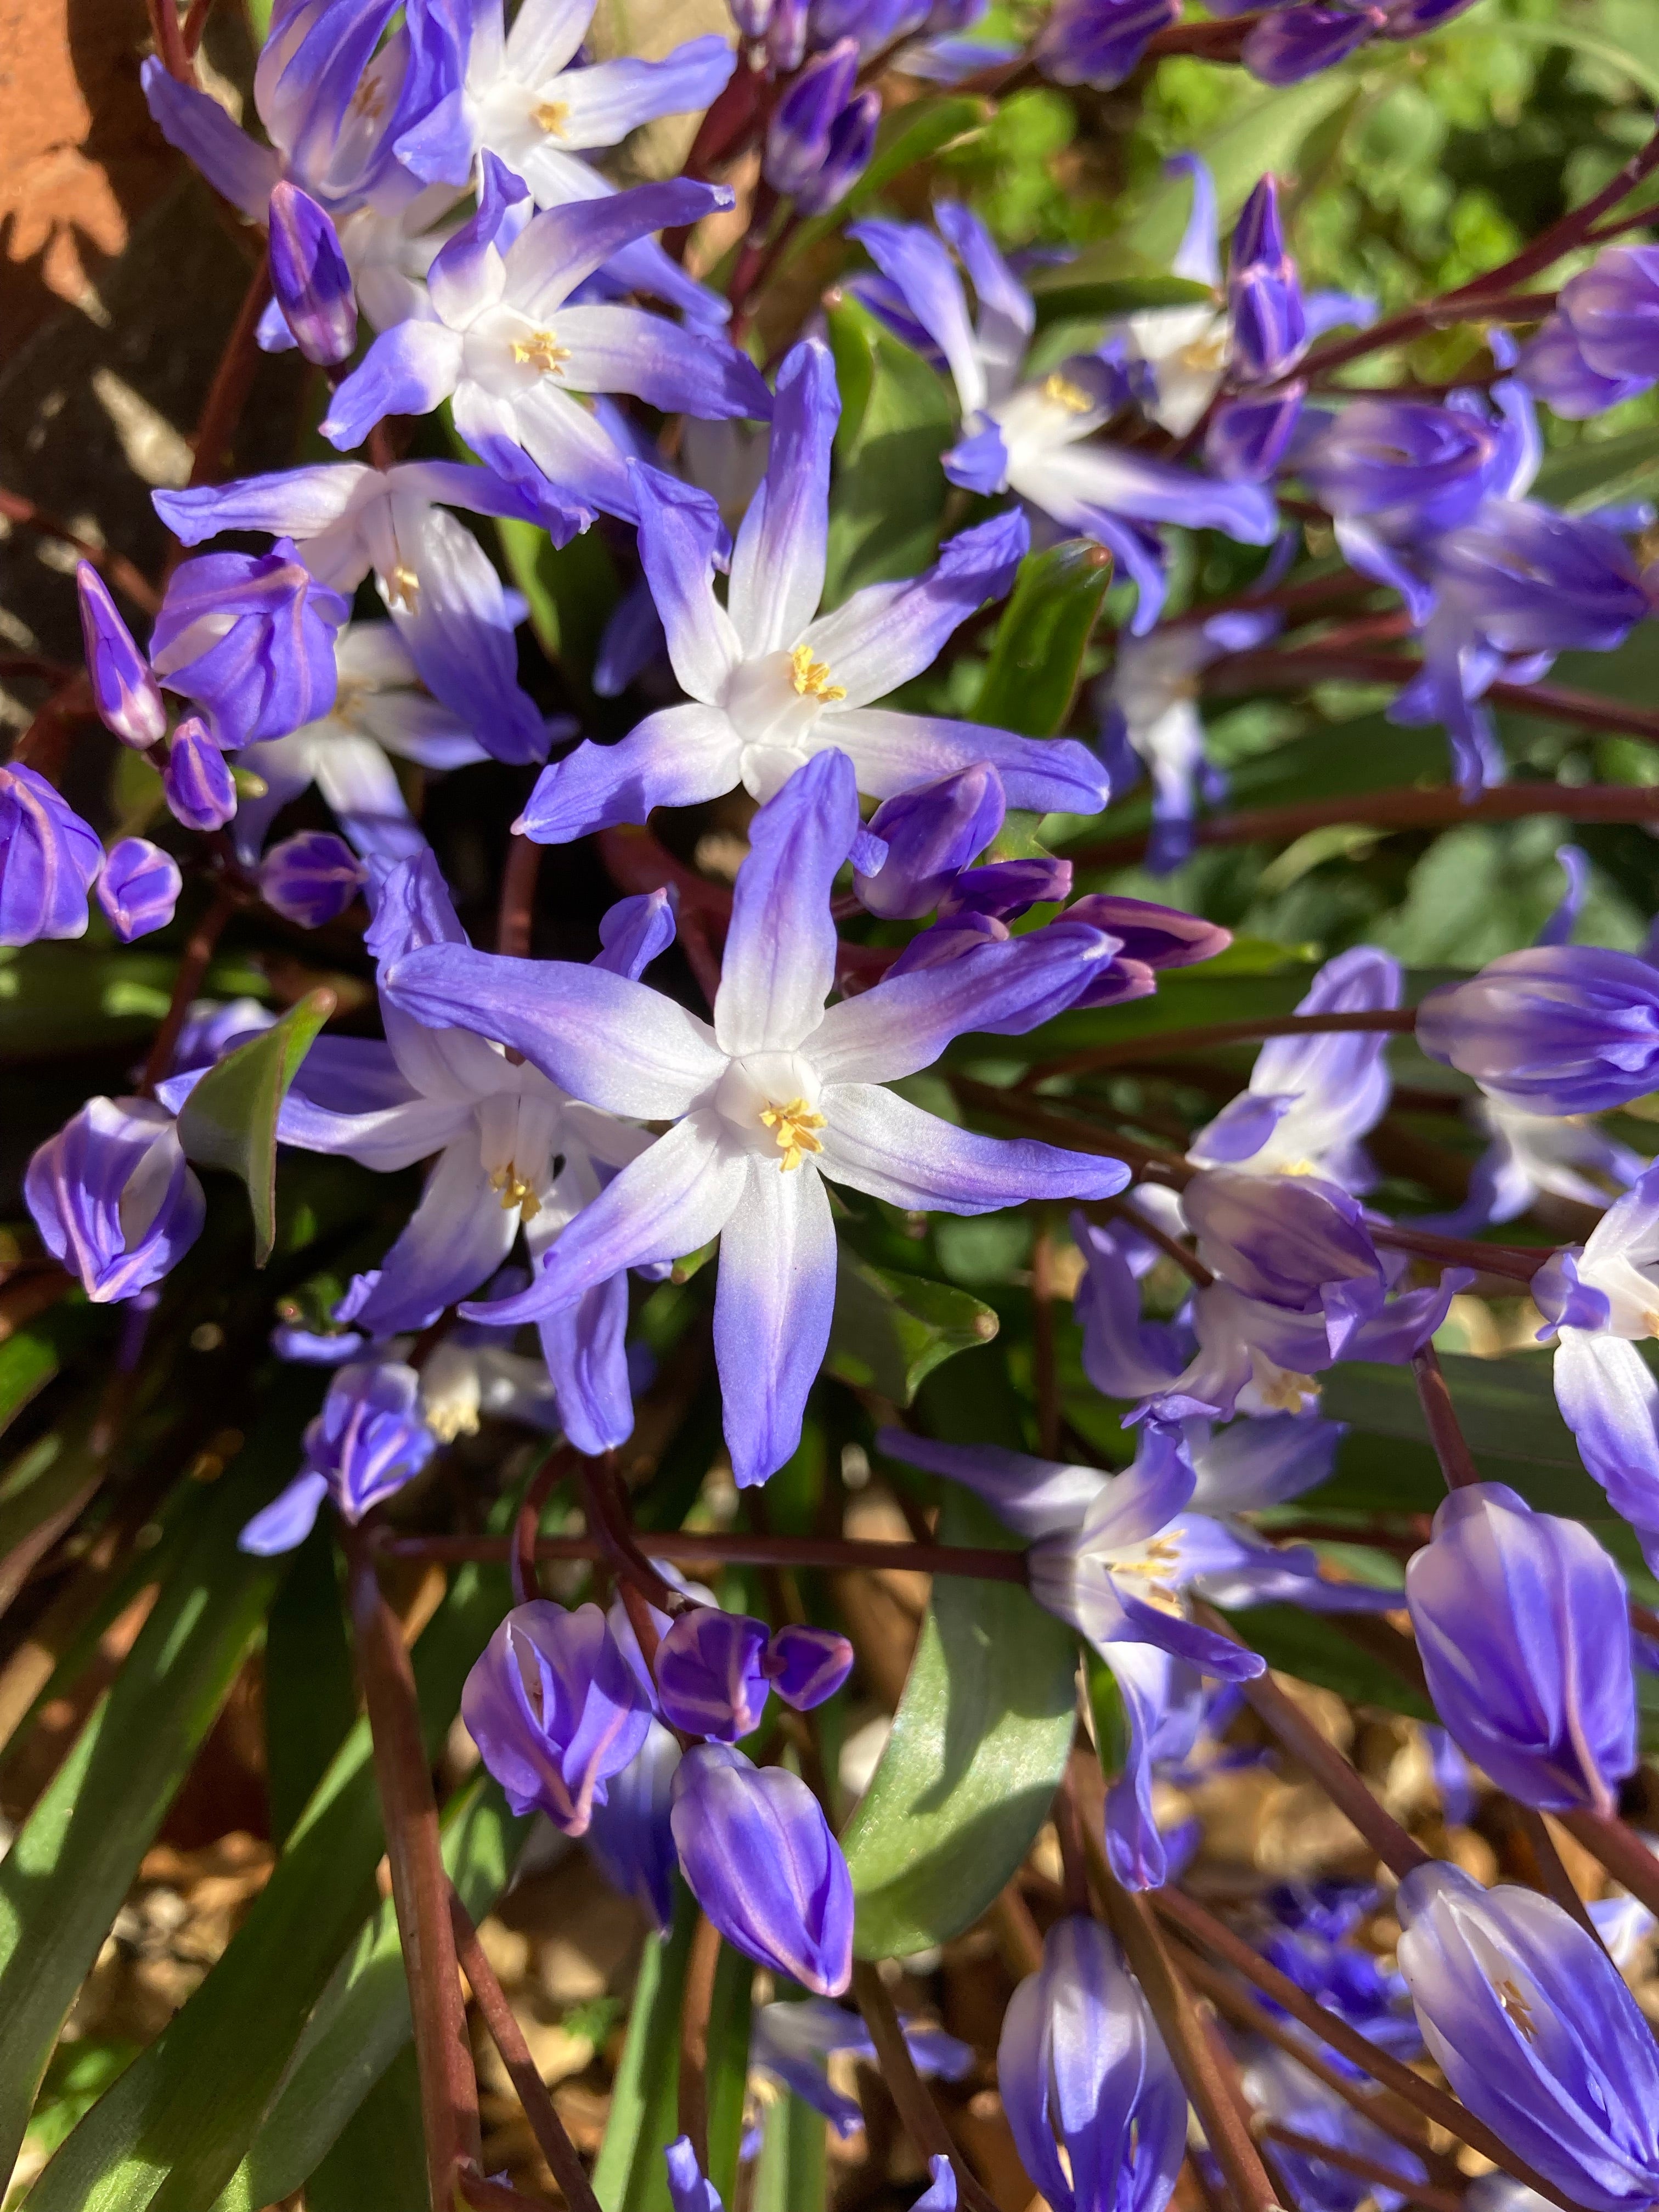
(897, 417)
(1037, 655)
(229, 1120)
(891, 1330)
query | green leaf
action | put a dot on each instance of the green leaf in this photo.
(1313, 1648)
(887, 498)
(1600, 471)
(229, 1120)
(571, 590)
(1045, 629)
(979, 1743)
(173, 2131)
(33, 1355)
(362, 2024)
(75, 1858)
(381, 2157)
(727, 2075)
(1059, 292)
(891, 1330)
(629, 2175)
(1591, 44)
(793, 2172)
(57, 998)
(310, 1690)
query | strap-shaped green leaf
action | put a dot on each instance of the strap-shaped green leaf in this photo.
(1045, 629)
(891, 1330)
(229, 1120)
(1064, 295)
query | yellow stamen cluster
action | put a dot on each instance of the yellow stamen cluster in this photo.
(811, 678)
(402, 587)
(452, 1417)
(1205, 353)
(1060, 392)
(792, 1124)
(515, 1192)
(551, 116)
(540, 350)
(1157, 1562)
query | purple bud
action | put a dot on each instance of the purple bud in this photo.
(1264, 294)
(112, 1198)
(1293, 43)
(1383, 455)
(127, 697)
(629, 1835)
(758, 1855)
(1099, 42)
(807, 1665)
(311, 878)
(1554, 369)
(786, 35)
(367, 1442)
(931, 834)
(1613, 309)
(1281, 1238)
(1533, 581)
(948, 940)
(1533, 2027)
(1245, 440)
(1084, 2070)
(309, 276)
(1521, 1621)
(690, 2189)
(197, 779)
(1409, 19)
(798, 136)
(751, 17)
(1555, 1028)
(48, 859)
(1159, 936)
(138, 887)
(1008, 888)
(250, 638)
(554, 1711)
(852, 142)
(710, 1678)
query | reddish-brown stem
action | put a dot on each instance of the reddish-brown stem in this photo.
(196, 24)
(1407, 808)
(508, 2037)
(420, 1887)
(1553, 1878)
(607, 1519)
(1205, 1036)
(833, 1553)
(517, 902)
(1366, 2169)
(1203, 1927)
(1620, 1850)
(1401, 1853)
(233, 379)
(114, 568)
(546, 1480)
(1225, 2119)
(922, 2120)
(1151, 1162)
(42, 744)
(1452, 1446)
(199, 951)
(169, 35)
(695, 2006)
(1117, 1209)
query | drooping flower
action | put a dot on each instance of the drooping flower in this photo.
(453, 614)
(250, 638)
(508, 348)
(758, 1855)
(201, 791)
(711, 1678)
(137, 888)
(1598, 347)
(1533, 2027)
(1098, 2111)
(554, 1711)
(1520, 1619)
(772, 686)
(310, 278)
(368, 1441)
(1111, 1556)
(1555, 1028)
(49, 860)
(777, 1095)
(1035, 438)
(1312, 1098)
(113, 1198)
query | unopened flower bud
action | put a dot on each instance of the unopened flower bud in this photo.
(711, 1681)
(932, 834)
(309, 276)
(113, 1198)
(48, 859)
(310, 879)
(1264, 293)
(196, 778)
(798, 136)
(139, 888)
(806, 1665)
(852, 142)
(126, 694)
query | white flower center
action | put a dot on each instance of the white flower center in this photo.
(771, 1101)
(509, 354)
(777, 699)
(516, 1133)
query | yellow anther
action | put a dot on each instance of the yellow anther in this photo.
(540, 350)
(402, 587)
(792, 1124)
(811, 678)
(551, 116)
(1060, 392)
(515, 1192)
(1285, 1391)
(1207, 352)
(1517, 2008)
(452, 1417)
